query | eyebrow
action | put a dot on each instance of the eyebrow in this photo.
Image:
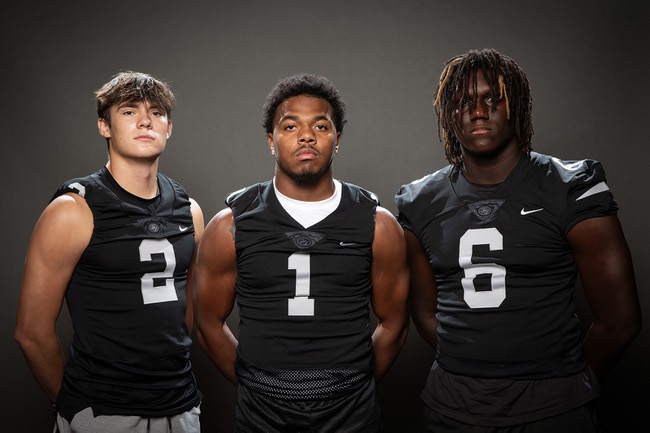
(134, 104)
(296, 118)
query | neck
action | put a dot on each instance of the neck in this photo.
(320, 190)
(139, 180)
(491, 170)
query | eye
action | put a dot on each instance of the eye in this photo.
(289, 127)
(322, 127)
(157, 113)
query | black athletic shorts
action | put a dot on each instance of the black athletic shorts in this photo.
(357, 412)
(579, 420)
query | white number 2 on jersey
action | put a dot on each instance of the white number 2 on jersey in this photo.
(153, 294)
(301, 305)
(488, 298)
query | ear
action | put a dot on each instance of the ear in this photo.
(169, 129)
(104, 128)
(269, 140)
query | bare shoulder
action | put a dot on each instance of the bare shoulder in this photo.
(216, 252)
(386, 223)
(220, 230)
(68, 213)
(62, 232)
(195, 208)
(197, 218)
(389, 235)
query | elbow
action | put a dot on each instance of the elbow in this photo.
(403, 333)
(26, 340)
(629, 326)
(633, 326)
(32, 336)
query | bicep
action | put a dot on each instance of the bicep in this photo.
(605, 267)
(389, 268)
(60, 237)
(215, 270)
(422, 282)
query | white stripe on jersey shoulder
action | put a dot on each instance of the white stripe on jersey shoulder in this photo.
(428, 176)
(79, 187)
(232, 194)
(569, 165)
(599, 187)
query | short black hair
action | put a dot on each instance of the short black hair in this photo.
(505, 78)
(304, 85)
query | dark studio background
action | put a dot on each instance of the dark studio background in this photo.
(586, 62)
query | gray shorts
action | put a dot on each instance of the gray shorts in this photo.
(86, 422)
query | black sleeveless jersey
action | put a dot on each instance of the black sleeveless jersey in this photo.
(303, 294)
(126, 297)
(505, 272)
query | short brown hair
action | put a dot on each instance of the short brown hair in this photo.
(129, 86)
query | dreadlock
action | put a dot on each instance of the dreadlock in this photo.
(505, 78)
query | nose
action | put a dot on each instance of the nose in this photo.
(307, 136)
(144, 120)
(480, 110)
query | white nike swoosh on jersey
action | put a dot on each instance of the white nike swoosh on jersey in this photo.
(181, 228)
(599, 187)
(526, 212)
(348, 244)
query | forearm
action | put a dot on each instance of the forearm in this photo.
(46, 360)
(604, 345)
(427, 329)
(386, 344)
(221, 346)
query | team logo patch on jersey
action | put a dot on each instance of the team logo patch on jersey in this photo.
(305, 239)
(486, 210)
(153, 227)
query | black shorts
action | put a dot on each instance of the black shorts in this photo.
(357, 412)
(579, 420)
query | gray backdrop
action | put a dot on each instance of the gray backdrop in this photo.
(586, 62)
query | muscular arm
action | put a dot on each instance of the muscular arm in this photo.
(215, 276)
(61, 235)
(197, 220)
(607, 276)
(390, 291)
(423, 300)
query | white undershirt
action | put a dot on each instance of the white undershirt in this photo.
(308, 213)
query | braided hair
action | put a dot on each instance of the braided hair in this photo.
(506, 80)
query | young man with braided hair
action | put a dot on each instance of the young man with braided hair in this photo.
(117, 245)
(495, 242)
(305, 256)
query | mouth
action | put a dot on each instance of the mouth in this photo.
(144, 137)
(480, 130)
(306, 154)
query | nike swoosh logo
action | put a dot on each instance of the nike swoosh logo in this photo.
(181, 228)
(348, 244)
(526, 212)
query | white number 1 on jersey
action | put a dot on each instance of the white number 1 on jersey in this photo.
(301, 305)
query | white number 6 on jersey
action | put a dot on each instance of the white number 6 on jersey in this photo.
(488, 298)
